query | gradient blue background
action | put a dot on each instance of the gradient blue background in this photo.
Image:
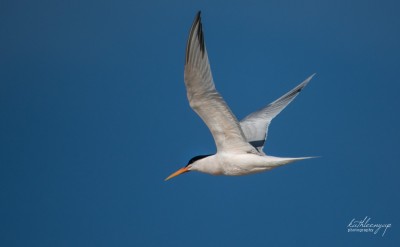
(94, 116)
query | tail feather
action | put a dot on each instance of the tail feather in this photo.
(278, 161)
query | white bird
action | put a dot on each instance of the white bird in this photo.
(239, 144)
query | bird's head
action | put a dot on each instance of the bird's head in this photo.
(188, 167)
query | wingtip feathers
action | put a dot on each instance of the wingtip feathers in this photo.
(199, 35)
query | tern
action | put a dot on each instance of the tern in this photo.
(239, 144)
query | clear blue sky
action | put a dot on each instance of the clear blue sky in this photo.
(94, 116)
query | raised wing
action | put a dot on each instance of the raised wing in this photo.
(205, 99)
(255, 125)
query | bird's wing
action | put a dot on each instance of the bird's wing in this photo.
(255, 125)
(205, 99)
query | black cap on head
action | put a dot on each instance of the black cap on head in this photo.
(198, 157)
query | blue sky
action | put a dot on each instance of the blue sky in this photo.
(94, 116)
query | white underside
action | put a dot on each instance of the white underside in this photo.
(232, 164)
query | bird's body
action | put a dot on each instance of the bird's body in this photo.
(239, 144)
(236, 164)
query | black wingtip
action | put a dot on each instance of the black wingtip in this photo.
(199, 35)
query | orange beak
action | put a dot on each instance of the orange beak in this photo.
(178, 172)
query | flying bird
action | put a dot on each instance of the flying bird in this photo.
(239, 144)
